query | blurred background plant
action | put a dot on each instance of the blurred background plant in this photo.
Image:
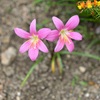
(90, 9)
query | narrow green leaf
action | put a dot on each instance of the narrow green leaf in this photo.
(37, 1)
(75, 80)
(95, 41)
(30, 71)
(81, 54)
(53, 64)
(59, 61)
(73, 83)
(83, 83)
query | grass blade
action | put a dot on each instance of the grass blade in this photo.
(81, 54)
(30, 71)
(95, 41)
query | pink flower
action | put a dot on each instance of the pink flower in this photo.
(65, 33)
(34, 42)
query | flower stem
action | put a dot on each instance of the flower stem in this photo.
(30, 71)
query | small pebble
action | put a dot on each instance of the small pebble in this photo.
(87, 95)
(68, 56)
(18, 93)
(17, 98)
(82, 69)
(42, 87)
(8, 56)
(1, 97)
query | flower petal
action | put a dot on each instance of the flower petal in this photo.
(21, 33)
(33, 27)
(33, 53)
(58, 23)
(54, 34)
(41, 46)
(75, 35)
(70, 46)
(42, 33)
(25, 46)
(72, 22)
(59, 46)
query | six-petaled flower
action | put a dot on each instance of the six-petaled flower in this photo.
(65, 33)
(34, 40)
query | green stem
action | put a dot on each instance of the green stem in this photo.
(30, 71)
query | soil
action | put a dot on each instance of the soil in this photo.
(43, 84)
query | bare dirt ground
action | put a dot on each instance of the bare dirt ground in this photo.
(42, 84)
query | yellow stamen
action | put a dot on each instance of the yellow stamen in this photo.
(64, 35)
(34, 39)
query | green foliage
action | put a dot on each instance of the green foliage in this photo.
(94, 42)
(92, 14)
(81, 54)
(76, 81)
(30, 71)
(60, 64)
(56, 60)
(84, 31)
(53, 64)
(83, 83)
(55, 2)
(97, 14)
(35, 2)
(43, 23)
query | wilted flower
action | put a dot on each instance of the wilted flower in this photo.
(34, 42)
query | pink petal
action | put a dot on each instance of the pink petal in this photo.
(70, 46)
(33, 27)
(41, 46)
(72, 22)
(25, 46)
(59, 46)
(33, 53)
(42, 33)
(21, 33)
(54, 34)
(58, 23)
(75, 35)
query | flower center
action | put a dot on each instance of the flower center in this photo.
(34, 39)
(64, 35)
